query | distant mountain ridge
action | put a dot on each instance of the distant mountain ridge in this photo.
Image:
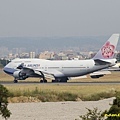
(31, 43)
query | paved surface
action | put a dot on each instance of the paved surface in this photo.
(68, 83)
(55, 110)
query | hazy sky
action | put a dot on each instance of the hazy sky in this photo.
(59, 17)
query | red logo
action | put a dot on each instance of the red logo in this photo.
(107, 50)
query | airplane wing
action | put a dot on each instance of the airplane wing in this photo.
(39, 72)
(55, 73)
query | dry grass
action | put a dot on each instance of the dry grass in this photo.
(80, 90)
(44, 92)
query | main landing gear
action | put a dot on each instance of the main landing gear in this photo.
(43, 81)
(62, 79)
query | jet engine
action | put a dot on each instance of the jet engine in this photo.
(20, 75)
(96, 76)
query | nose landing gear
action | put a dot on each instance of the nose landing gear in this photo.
(15, 80)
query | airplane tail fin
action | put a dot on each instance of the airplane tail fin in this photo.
(108, 49)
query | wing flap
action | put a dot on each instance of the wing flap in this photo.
(54, 72)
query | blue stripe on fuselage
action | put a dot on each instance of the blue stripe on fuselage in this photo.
(9, 70)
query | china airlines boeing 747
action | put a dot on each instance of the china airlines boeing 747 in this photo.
(62, 70)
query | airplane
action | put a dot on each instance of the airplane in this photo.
(62, 70)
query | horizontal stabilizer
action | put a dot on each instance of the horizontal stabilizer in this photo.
(101, 62)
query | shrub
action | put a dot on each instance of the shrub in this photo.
(66, 96)
(114, 111)
(93, 115)
(112, 114)
(4, 94)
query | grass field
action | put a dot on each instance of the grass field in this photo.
(80, 90)
(60, 92)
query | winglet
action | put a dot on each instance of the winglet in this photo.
(108, 49)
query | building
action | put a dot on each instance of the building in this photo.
(46, 55)
(32, 55)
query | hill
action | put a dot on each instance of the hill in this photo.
(31, 43)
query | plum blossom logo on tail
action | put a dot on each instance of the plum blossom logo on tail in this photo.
(107, 50)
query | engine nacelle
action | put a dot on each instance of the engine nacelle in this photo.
(96, 76)
(19, 75)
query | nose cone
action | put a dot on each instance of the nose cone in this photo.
(9, 71)
(5, 70)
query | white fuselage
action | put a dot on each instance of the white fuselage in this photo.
(70, 68)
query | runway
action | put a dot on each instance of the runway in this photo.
(68, 83)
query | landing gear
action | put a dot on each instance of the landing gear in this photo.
(63, 79)
(15, 81)
(43, 81)
(54, 81)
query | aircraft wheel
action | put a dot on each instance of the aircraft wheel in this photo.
(15, 81)
(41, 81)
(45, 81)
(53, 80)
(63, 81)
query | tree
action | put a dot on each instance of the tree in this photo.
(4, 94)
(3, 62)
